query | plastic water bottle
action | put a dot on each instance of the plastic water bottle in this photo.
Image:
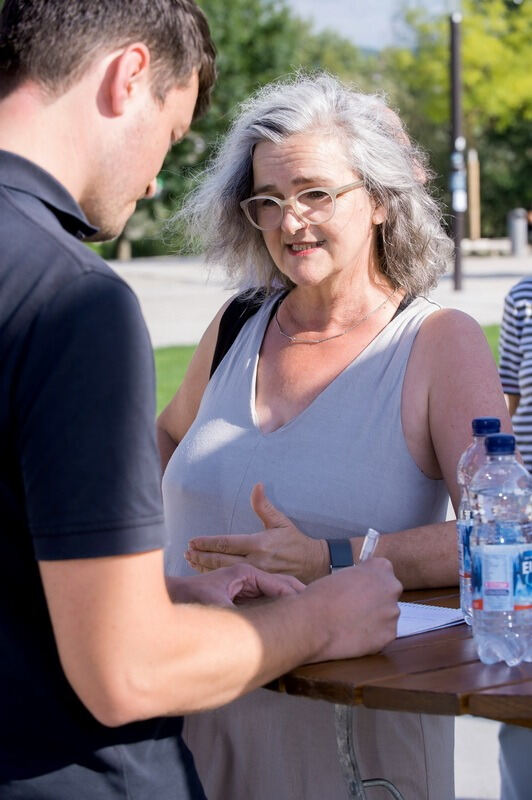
(501, 555)
(470, 462)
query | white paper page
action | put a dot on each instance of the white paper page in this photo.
(418, 618)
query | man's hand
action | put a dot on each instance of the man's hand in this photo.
(279, 548)
(228, 586)
(356, 608)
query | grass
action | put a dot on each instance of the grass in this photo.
(170, 367)
(171, 364)
(492, 335)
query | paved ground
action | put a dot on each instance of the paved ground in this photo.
(179, 298)
(476, 753)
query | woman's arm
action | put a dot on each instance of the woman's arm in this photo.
(463, 383)
(451, 378)
(175, 420)
(422, 557)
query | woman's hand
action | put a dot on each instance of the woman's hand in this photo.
(232, 585)
(280, 547)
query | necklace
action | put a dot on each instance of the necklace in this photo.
(295, 340)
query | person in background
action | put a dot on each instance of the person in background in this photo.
(101, 653)
(343, 403)
(515, 369)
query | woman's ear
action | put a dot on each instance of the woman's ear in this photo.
(379, 215)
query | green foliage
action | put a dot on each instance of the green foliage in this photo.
(497, 97)
(329, 51)
(497, 64)
(492, 335)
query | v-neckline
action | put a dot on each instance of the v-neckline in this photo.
(253, 388)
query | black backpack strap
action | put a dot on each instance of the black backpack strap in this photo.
(239, 310)
(237, 313)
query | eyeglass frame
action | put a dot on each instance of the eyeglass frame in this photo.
(290, 201)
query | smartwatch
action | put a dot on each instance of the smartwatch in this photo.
(340, 554)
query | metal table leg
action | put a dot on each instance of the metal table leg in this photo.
(346, 753)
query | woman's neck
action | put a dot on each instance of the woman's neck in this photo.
(323, 308)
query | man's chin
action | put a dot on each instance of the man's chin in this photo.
(103, 235)
(109, 229)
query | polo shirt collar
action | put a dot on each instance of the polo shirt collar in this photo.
(25, 176)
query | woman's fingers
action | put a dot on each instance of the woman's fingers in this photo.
(207, 550)
(203, 561)
(235, 544)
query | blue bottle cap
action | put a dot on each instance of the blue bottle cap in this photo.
(484, 425)
(499, 444)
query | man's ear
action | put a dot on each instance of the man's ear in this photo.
(127, 72)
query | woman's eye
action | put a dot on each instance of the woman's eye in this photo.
(266, 202)
(315, 194)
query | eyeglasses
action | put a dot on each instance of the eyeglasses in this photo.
(316, 205)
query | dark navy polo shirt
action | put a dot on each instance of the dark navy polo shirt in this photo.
(79, 478)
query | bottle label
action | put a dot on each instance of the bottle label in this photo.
(464, 527)
(502, 577)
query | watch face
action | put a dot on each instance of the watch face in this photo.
(340, 553)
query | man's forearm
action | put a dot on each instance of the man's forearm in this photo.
(130, 653)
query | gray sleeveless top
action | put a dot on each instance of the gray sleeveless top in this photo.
(339, 467)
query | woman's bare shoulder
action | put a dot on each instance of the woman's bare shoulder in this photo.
(452, 334)
(449, 320)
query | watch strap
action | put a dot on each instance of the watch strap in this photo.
(340, 553)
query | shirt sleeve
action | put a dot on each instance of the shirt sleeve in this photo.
(86, 425)
(509, 346)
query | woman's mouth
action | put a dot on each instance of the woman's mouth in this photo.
(300, 248)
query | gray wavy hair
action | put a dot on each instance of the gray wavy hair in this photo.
(412, 246)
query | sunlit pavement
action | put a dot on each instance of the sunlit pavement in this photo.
(476, 754)
(179, 297)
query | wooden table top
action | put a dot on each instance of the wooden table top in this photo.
(435, 673)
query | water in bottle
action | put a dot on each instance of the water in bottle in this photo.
(501, 555)
(470, 462)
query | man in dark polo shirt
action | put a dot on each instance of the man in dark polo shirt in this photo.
(99, 655)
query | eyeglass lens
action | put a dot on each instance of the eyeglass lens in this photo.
(313, 206)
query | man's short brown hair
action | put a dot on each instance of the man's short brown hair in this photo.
(52, 42)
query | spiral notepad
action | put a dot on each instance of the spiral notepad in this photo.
(418, 618)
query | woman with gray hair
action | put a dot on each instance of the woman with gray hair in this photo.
(331, 392)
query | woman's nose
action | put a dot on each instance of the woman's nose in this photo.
(291, 221)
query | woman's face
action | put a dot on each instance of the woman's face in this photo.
(311, 254)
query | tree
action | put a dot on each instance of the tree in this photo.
(497, 97)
